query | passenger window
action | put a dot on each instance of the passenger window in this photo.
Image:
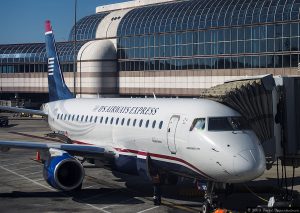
(198, 123)
(153, 124)
(82, 118)
(161, 124)
(128, 122)
(111, 120)
(65, 117)
(96, 118)
(91, 119)
(101, 119)
(57, 116)
(117, 121)
(69, 118)
(122, 123)
(134, 121)
(147, 124)
(77, 119)
(73, 117)
(141, 123)
(61, 116)
(106, 120)
(86, 118)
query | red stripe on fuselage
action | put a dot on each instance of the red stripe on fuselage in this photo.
(153, 155)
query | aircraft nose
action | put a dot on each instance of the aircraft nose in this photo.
(249, 164)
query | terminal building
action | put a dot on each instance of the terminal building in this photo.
(165, 47)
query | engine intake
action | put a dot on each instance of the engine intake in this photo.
(63, 171)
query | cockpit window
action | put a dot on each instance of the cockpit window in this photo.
(198, 123)
(227, 124)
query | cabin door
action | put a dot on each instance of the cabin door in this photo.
(171, 137)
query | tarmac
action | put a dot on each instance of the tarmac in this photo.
(23, 188)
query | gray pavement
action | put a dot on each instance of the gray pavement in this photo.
(22, 187)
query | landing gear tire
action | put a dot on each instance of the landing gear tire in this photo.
(156, 201)
(206, 207)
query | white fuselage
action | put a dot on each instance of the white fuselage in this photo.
(161, 129)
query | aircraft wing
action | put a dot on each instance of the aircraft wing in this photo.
(28, 111)
(73, 149)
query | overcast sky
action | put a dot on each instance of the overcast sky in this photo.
(22, 21)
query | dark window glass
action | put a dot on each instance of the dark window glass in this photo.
(247, 33)
(270, 61)
(255, 61)
(147, 124)
(91, 119)
(141, 123)
(286, 30)
(234, 34)
(112, 120)
(278, 30)
(294, 29)
(106, 120)
(96, 118)
(134, 122)
(73, 117)
(82, 118)
(227, 124)
(263, 61)
(263, 45)
(77, 119)
(117, 121)
(101, 119)
(160, 124)
(57, 116)
(270, 31)
(241, 34)
(270, 45)
(86, 118)
(294, 44)
(294, 60)
(286, 61)
(153, 124)
(65, 118)
(278, 45)
(278, 61)
(128, 122)
(122, 122)
(61, 117)
(69, 117)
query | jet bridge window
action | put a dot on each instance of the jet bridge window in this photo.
(198, 123)
(227, 124)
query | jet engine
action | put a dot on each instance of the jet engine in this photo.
(62, 171)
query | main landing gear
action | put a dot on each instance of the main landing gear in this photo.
(210, 198)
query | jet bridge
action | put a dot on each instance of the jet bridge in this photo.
(271, 106)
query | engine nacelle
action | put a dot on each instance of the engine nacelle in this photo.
(62, 171)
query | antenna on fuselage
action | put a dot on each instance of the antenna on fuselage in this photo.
(154, 96)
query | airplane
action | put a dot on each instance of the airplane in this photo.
(155, 138)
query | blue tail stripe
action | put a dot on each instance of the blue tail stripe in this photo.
(58, 90)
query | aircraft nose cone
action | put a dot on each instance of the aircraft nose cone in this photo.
(249, 164)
